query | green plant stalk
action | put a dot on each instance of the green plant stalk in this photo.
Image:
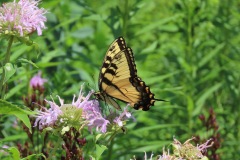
(125, 18)
(110, 146)
(110, 149)
(28, 75)
(188, 56)
(7, 59)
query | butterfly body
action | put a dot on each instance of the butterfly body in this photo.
(118, 79)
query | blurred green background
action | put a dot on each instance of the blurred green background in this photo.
(187, 51)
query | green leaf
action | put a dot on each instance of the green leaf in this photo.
(34, 156)
(150, 48)
(158, 24)
(27, 61)
(190, 104)
(52, 54)
(98, 137)
(202, 99)
(204, 158)
(210, 56)
(9, 71)
(10, 109)
(14, 152)
(11, 138)
(159, 78)
(64, 130)
(37, 49)
(99, 150)
(150, 147)
(15, 90)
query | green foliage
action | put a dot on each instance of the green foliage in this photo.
(10, 109)
(9, 70)
(14, 154)
(99, 150)
(186, 51)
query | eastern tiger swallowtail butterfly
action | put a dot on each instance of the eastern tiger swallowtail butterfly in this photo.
(118, 79)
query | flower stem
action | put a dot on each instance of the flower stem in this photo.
(125, 18)
(7, 59)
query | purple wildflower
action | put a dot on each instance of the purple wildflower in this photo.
(203, 147)
(122, 117)
(189, 151)
(37, 81)
(23, 17)
(81, 112)
(49, 117)
(91, 112)
(145, 156)
(182, 151)
(164, 156)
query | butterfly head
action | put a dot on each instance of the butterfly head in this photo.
(98, 96)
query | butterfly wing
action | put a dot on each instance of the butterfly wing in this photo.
(118, 78)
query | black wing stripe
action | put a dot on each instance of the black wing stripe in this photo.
(131, 62)
(108, 82)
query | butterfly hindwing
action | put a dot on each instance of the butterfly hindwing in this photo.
(118, 78)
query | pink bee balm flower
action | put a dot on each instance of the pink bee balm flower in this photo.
(37, 81)
(91, 112)
(23, 17)
(49, 117)
(122, 117)
(80, 112)
(189, 151)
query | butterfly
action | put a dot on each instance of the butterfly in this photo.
(118, 79)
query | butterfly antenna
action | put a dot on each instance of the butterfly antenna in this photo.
(161, 100)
